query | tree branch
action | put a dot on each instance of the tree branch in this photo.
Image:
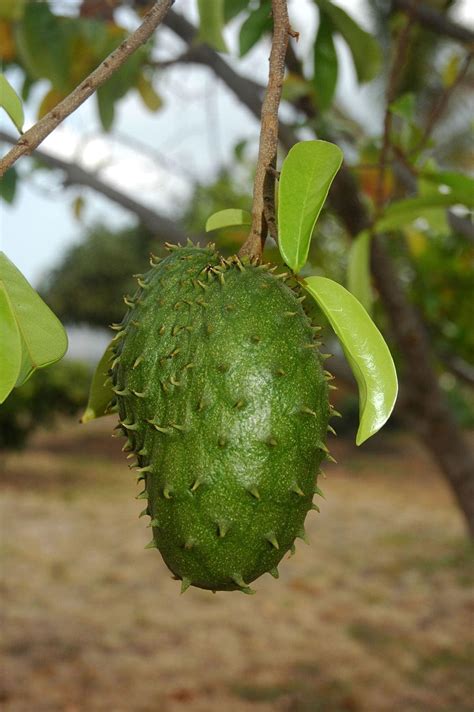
(263, 209)
(164, 228)
(37, 133)
(460, 368)
(398, 64)
(434, 20)
(442, 103)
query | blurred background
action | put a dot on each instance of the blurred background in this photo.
(376, 614)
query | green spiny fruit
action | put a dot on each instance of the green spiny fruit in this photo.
(222, 395)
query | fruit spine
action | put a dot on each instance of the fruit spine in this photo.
(223, 398)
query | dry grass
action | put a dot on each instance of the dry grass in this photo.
(372, 617)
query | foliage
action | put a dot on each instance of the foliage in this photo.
(228, 189)
(100, 270)
(306, 176)
(366, 352)
(101, 265)
(56, 391)
(63, 50)
(32, 336)
(440, 269)
(11, 102)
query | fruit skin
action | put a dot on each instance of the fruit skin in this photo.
(222, 394)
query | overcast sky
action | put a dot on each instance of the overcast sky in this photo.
(193, 135)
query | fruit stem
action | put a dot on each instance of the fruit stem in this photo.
(263, 210)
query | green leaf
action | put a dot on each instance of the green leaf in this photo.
(365, 349)
(43, 338)
(28, 84)
(365, 49)
(78, 207)
(43, 45)
(404, 106)
(295, 87)
(358, 270)
(106, 106)
(49, 101)
(306, 176)
(450, 71)
(211, 22)
(119, 83)
(228, 218)
(11, 102)
(233, 7)
(257, 23)
(8, 185)
(239, 149)
(461, 187)
(325, 62)
(149, 96)
(10, 347)
(403, 212)
(100, 393)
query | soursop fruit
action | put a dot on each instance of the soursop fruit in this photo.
(223, 397)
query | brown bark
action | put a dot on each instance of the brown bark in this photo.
(430, 415)
(263, 209)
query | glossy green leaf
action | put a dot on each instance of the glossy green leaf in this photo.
(211, 22)
(306, 176)
(365, 349)
(43, 338)
(255, 26)
(11, 102)
(8, 184)
(10, 346)
(100, 393)
(228, 218)
(325, 62)
(403, 212)
(364, 48)
(358, 270)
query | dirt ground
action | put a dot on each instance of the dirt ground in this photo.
(373, 616)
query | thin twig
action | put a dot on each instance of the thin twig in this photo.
(432, 19)
(32, 138)
(442, 103)
(263, 211)
(162, 227)
(398, 64)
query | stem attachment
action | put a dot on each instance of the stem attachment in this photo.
(263, 210)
